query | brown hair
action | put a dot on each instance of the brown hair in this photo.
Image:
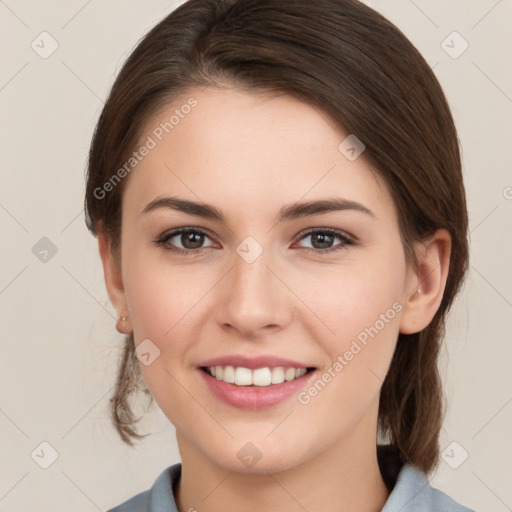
(355, 65)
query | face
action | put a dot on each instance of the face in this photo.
(256, 275)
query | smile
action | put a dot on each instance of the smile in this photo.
(254, 389)
(265, 376)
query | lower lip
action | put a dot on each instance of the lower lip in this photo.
(254, 398)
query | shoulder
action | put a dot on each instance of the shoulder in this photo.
(159, 498)
(138, 503)
(413, 493)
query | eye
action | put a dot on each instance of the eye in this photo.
(323, 238)
(191, 240)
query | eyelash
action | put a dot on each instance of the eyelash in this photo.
(162, 241)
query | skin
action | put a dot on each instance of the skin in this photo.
(249, 155)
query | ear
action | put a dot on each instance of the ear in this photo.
(113, 278)
(426, 284)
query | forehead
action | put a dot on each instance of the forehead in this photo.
(242, 148)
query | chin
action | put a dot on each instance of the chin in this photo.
(249, 459)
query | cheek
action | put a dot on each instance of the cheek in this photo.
(161, 297)
(359, 306)
(161, 302)
(353, 297)
(343, 399)
(153, 305)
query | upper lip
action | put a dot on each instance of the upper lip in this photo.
(254, 362)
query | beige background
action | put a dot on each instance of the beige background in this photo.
(59, 344)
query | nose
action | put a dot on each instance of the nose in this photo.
(253, 300)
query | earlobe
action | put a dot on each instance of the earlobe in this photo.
(113, 279)
(426, 284)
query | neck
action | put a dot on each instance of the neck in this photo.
(345, 477)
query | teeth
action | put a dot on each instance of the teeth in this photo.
(259, 377)
(289, 374)
(229, 374)
(278, 375)
(262, 377)
(243, 376)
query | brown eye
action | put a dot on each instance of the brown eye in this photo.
(322, 240)
(190, 239)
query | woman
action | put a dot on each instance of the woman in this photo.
(276, 188)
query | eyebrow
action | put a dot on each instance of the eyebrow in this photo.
(287, 213)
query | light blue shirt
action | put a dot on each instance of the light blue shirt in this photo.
(411, 493)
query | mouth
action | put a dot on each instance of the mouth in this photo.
(258, 377)
(255, 389)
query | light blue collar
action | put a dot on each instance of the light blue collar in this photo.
(411, 493)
